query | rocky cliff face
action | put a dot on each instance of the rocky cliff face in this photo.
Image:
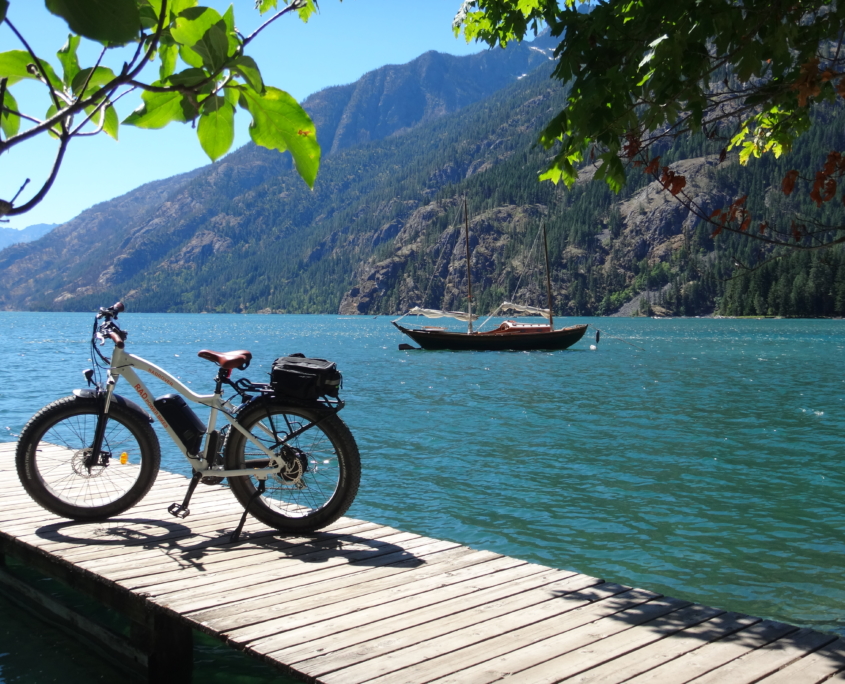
(491, 233)
(652, 227)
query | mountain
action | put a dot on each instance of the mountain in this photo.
(115, 240)
(11, 236)
(404, 146)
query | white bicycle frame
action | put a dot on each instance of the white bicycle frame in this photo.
(124, 364)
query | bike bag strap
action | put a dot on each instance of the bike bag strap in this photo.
(303, 378)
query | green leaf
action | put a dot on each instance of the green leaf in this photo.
(101, 76)
(57, 128)
(4, 7)
(201, 30)
(168, 54)
(216, 128)
(306, 10)
(17, 64)
(247, 68)
(14, 65)
(280, 123)
(159, 109)
(10, 123)
(111, 124)
(178, 6)
(188, 78)
(232, 94)
(107, 21)
(231, 34)
(264, 6)
(213, 47)
(190, 57)
(67, 56)
(192, 23)
(149, 17)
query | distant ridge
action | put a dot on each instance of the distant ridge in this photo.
(11, 236)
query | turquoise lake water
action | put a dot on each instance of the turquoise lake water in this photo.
(706, 465)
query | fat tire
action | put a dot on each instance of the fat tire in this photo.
(342, 445)
(26, 457)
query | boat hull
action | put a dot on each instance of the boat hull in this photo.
(491, 341)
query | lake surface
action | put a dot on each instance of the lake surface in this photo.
(705, 462)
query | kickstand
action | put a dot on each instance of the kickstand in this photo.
(236, 535)
(181, 510)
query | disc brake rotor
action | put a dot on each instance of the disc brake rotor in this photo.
(81, 458)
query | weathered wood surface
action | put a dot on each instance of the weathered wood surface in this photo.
(362, 602)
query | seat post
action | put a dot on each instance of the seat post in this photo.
(222, 375)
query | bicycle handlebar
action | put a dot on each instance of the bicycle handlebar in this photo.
(112, 311)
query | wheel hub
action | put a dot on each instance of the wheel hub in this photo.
(296, 465)
(82, 458)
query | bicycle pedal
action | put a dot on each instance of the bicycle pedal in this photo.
(211, 480)
(178, 511)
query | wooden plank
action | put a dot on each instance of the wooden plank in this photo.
(293, 599)
(716, 654)
(240, 557)
(405, 594)
(295, 570)
(673, 646)
(751, 667)
(202, 537)
(444, 655)
(208, 555)
(606, 648)
(321, 654)
(813, 668)
(413, 591)
(254, 596)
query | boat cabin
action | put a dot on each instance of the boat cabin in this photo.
(511, 327)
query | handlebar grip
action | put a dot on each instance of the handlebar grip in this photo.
(117, 339)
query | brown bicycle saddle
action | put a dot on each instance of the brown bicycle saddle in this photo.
(233, 359)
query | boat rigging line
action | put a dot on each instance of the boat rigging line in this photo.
(527, 262)
(437, 264)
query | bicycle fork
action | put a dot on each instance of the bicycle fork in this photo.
(103, 402)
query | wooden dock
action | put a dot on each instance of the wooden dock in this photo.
(363, 602)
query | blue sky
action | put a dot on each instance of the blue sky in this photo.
(337, 46)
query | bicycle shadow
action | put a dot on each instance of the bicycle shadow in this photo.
(185, 548)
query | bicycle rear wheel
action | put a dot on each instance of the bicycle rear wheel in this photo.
(322, 466)
(53, 459)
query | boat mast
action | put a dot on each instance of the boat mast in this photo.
(469, 275)
(548, 276)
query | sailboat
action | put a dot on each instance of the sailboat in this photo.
(508, 336)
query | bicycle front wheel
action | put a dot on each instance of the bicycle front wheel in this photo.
(55, 465)
(322, 466)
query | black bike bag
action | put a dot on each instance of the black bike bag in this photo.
(302, 378)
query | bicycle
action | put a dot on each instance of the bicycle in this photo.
(289, 459)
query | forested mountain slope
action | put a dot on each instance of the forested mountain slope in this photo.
(380, 232)
(114, 240)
